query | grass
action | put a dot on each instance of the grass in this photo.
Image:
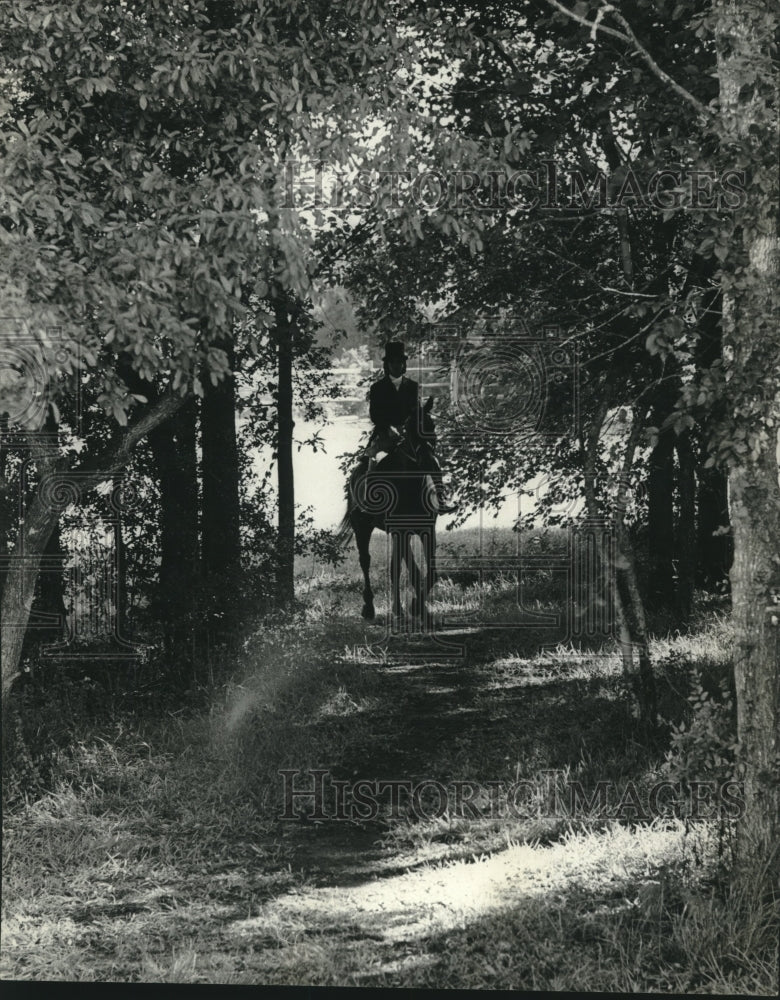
(157, 854)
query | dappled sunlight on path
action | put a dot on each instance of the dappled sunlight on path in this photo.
(435, 899)
(186, 865)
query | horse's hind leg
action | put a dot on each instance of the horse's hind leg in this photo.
(417, 581)
(363, 538)
(429, 548)
(396, 564)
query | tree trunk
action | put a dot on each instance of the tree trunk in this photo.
(629, 603)
(714, 553)
(120, 556)
(660, 522)
(685, 534)
(5, 504)
(633, 637)
(49, 601)
(634, 626)
(173, 447)
(745, 37)
(755, 585)
(284, 454)
(220, 523)
(19, 587)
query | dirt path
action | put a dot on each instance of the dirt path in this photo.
(422, 900)
(378, 908)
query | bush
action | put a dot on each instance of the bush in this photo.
(704, 750)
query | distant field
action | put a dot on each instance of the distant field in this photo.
(491, 575)
(458, 551)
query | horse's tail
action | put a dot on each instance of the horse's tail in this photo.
(344, 530)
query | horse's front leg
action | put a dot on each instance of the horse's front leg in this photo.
(417, 580)
(429, 545)
(363, 538)
(395, 575)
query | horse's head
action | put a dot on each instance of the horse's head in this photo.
(427, 426)
(420, 425)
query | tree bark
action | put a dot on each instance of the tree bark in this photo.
(633, 638)
(33, 536)
(50, 598)
(631, 614)
(714, 553)
(745, 37)
(632, 609)
(284, 455)
(685, 529)
(173, 446)
(5, 504)
(660, 522)
(120, 556)
(755, 587)
(220, 522)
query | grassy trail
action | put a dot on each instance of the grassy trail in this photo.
(161, 856)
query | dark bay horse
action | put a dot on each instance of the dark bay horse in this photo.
(397, 495)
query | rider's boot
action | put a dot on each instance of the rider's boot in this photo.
(430, 462)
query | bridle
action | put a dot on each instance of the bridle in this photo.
(403, 444)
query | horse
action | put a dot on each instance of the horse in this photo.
(397, 495)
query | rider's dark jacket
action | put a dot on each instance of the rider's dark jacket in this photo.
(388, 406)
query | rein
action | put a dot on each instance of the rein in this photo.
(404, 445)
(406, 448)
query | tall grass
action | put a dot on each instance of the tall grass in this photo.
(154, 849)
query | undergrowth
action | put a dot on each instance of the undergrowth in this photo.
(146, 845)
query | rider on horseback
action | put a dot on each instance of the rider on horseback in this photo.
(393, 400)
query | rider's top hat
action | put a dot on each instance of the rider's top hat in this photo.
(394, 351)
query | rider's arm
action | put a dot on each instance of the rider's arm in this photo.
(414, 399)
(375, 410)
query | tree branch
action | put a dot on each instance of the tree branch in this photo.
(102, 467)
(632, 40)
(678, 88)
(503, 54)
(593, 25)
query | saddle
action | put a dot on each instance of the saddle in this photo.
(372, 488)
